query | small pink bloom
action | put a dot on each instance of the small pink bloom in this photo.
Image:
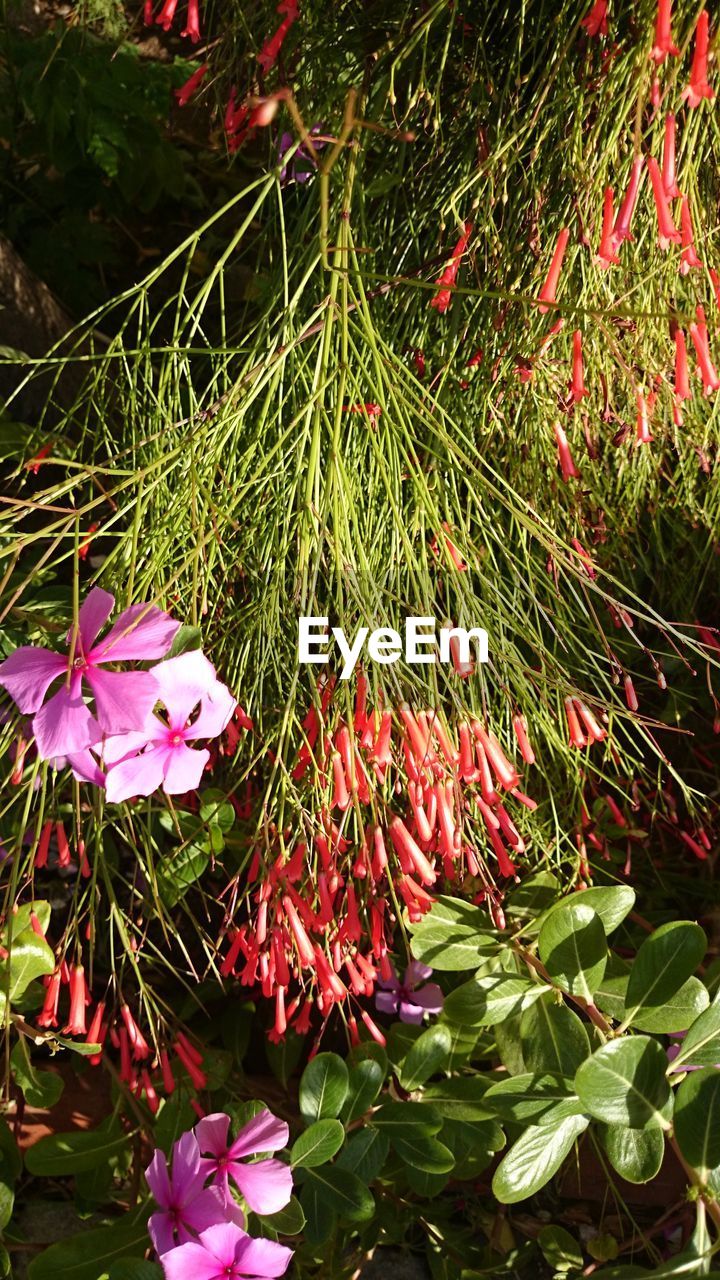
(407, 998)
(226, 1252)
(184, 1204)
(266, 1185)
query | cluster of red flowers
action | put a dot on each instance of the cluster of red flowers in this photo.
(321, 913)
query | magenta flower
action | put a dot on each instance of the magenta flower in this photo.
(265, 1184)
(407, 998)
(226, 1253)
(185, 1204)
(123, 699)
(158, 755)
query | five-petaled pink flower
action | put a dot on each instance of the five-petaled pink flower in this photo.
(226, 1253)
(184, 1203)
(266, 1185)
(158, 754)
(123, 699)
(408, 998)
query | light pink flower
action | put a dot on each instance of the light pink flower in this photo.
(226, 1253)
(265, 1184)
(184, 1203)
(123, 699)
(408, 998)
(158, 755)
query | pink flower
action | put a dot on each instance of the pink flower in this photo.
(408, 998)
(185, 1205)
(123, 699)
(266, 1185)
(158, 754)
(226, 1253)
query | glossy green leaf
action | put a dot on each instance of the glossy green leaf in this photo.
(7, 1201)
(533, 896)
(91, 1253)
(553, 1038)
(663, 963)
(40, 1088)
(394, 1117)
(696, 1120)
(492, 998)
(364, 1084)
(460, 1097)
(428, 1054)
(60, 1154)
(323, 1087)
(701, 1046)
(343, 1191)
(9, 1150)
(624, 1083)
(539, 1099)
(174, 1118)
(677, 1012)
(444, 948)
(135, 1269)
(421, 1151)
(458, 914)
(611, 902)
(573, 947)
(288, 1221)
(365, 1154)
(636, 1154)
(30, 958)
(320, 1217)
(560, 1250)
(318, 1144)
(533, 1160)
(610, 995)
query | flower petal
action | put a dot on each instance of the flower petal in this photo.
(266, 1185)
(64, 725)
(410, 1013)
(86, 768)
(190, 1262)
(158, 1179)
(160, 1230)
(416, 973)
(138, 776)
(141, 633)
(123, 699)
(119, 746)
(206, 1210)
(183, 769)
(429, 998)
(263, 1258)
(263, 1133)
(94, 613)
(28, 673)
(216, 709)
(212, 1133)
(386, 1001)
(182, 682)
(389, 984)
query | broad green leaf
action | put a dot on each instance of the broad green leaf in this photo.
(30, 958)
(20, 920)
(343, 1191)
(288, 1221)
(399, 1041)
(60, 1154)
(507, 1043)
(444, 948)
(492, 998)
(663, 963)
(320, 1217)
(365, 1154)
(323, 1087)
(9, 1150)
(611, 902)
(624, 1083)
(610, 995)
(533, 897)
(677, 1012)
(176, 874)
(463, 1043)
(636, 1154)
(135, 1269)
(553, 1038)
(318, 1144)
(7, 1200)
(364, 1085)
(368, 1049)
(696, 1120)
(174, 1118)
(533, 1160)
(541, 1099)
(560, 1250)
(394, 1117)
(573, 947)
(460, 915)
(473, 1145)
(284, 1057)
(429, 1053)
(701, 1046)
(427, 1185)
(40, 1088)
(421, 1151)
(459, 1098)
(91, 1253)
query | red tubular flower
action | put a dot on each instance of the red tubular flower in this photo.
(567, 466)
(41, 853)
(577, 737)
(549, 289)
(630, 694)
(76, 1024)
(62, 845)
(48, 1014)
(408, 849)
(715, 278)
(468, 770)
(455, 556)
(332, 988)
(501, 766)
(521, 733)
(138, 1043)
(682, 378)
(642, 430)
(167, 14)
(340, 798)
(192, 25)
(374, 1030)
(191, 86)
(670, 186)
(446, 283)
(268, 55)
(627, 208)
(197, 1076)
(701, 343)
(607, 249)
(33, 464)
(461, 667)
(84, 548)
(595, 21)
(148, 12)
(663, 35)
(698, 88)
(688, 257)
(577, 386)
(667, 231)
(594, 731)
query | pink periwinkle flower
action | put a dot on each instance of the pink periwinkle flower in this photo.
(226, 1253)
(64, 724)
(185, 1204)
(158, 754)
(266, 1185)
(408, 998)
